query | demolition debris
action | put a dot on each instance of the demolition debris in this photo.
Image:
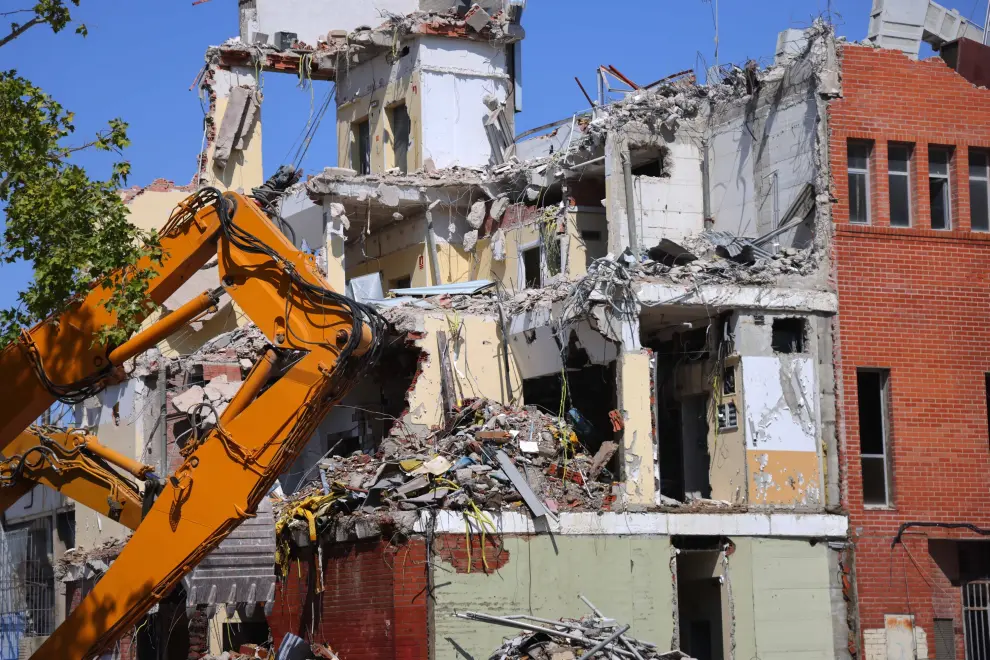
(569, 639)
(486, 457)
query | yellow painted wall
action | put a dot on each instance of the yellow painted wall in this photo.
(784, 477)
(727, 448)
(637, 436)
(375, 107)
(475, 347)
(244, 170)
(458, 265)
(151, 209)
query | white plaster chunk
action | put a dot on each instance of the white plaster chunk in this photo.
(477, 215)
(470, 240)
(389, 195)
(499, 207)
(185, 401)
(498, 245)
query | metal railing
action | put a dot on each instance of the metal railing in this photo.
(976, 617)
(27, 581)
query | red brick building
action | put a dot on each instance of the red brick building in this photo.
(910, 148)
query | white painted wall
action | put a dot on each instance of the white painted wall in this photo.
(456, 75)
(672, 207)
(313, 19)
(742, 193)
(775, 422)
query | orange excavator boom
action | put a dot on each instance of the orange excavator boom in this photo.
(320, 343)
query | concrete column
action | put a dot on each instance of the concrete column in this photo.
(333, 234)
(635, 387)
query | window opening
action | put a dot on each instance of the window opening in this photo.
(362, 139)
(979, 190)
(859, 182)
(401, 128)
(401, 283)
(729, 380)
(874, 435)
(899, 179)
(787, 335)
(938, 187)
(532, 270)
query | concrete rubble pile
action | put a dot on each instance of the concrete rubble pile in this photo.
(483, 459)
(569, 639)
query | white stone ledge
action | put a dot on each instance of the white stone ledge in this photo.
(802, 525)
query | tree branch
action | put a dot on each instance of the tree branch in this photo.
(16, 11)
(21, 29)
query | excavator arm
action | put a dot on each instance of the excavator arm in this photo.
(76, 465)
(320, 343)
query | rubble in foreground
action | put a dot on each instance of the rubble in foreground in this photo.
(569, 639)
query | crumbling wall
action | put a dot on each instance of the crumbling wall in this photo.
(763, 151)
(457, 77)
(243, 169)
(544, 577)
(474, 345)
(670, 206)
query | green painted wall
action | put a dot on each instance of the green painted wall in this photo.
(781, 600)
(628, 578)
(779, 592)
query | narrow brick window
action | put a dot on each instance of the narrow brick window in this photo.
(859, 182)
(979, 190)
(874, 434)
(938, 187)
(899, 179)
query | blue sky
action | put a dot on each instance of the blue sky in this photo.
(141, 57)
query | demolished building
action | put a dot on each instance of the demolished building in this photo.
(613, 365)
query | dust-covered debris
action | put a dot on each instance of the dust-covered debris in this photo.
(569, 639)
(453, 467)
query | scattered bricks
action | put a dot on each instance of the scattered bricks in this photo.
(232, 370)
(557, 471)
(498, 437)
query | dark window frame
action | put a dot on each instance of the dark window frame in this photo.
(944, 181)
(859, 172)
(981, 178)
(899, 174)
(885, 418)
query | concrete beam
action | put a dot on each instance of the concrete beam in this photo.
(728, 297)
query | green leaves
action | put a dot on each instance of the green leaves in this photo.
(73, 229)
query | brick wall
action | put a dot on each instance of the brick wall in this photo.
(917, 302)
(373, 605)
